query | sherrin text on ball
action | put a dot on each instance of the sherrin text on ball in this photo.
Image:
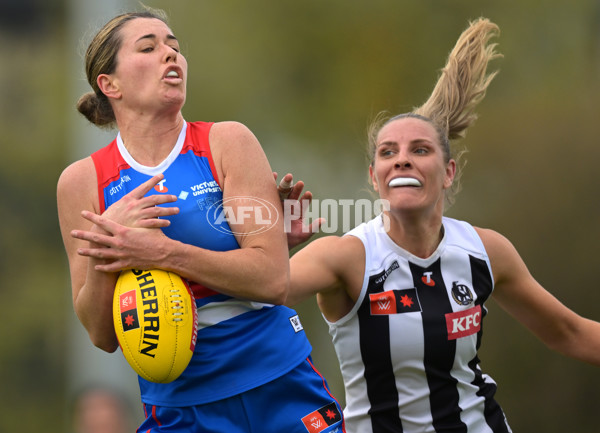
(156, 322)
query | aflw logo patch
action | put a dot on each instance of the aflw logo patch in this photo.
(394, 302)
(128, 310)
(463, 323)
(320, 419)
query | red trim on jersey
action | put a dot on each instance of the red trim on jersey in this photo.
(107, 160)
(328, 392)
(198, 133)
(200, 291)
(153, 416)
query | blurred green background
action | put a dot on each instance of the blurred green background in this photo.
(307, 76)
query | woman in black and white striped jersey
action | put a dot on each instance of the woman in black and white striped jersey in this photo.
(404, 294)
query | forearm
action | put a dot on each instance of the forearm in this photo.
(246, 273)
(580, 340)
(93, 306)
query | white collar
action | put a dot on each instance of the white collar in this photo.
(160, 168)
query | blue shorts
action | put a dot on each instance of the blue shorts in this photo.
(298, 402)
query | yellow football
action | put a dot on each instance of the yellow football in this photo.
(155, 321)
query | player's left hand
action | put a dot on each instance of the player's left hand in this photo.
(295, 203)
(135, 209)
(121, 247)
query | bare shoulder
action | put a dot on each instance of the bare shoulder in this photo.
(504, 257)
(493, 241)
(338, 248)
(333, 268)
(76, 190)
(77, 181)
(348, 256)
(234, 146)
(231, 133)
(344, 256)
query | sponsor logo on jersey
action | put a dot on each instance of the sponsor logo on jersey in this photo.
(394, 302)
(128, 309)
(204, 188)
(427, 280)
(461, 294)
(118, 187)
(387, 272)
(464, 323)
(321, 419)
(160, 186)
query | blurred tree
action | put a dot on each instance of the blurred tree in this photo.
(28, 17)
(31, 276)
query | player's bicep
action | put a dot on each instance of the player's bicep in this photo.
(332, 267)
(75, 192)
(520, 295)
(250, 199)
(311, 272)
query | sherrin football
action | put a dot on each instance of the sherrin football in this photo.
(155, 321)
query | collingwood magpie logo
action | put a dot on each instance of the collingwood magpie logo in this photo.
(461, 294)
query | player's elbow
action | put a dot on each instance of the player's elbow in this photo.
(101, 336)
(278, 288)
(109, 348)
(570, 337)
(106, 343)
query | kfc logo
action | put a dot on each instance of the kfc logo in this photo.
(464, 323)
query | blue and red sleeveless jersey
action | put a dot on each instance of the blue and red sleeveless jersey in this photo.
(241, 344)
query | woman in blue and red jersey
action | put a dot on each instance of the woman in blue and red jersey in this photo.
(153, 198)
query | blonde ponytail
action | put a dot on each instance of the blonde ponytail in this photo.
(461, 86)
(464, 80)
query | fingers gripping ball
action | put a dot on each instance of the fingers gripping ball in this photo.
(155, 321)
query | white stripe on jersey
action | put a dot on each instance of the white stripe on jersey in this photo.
(217, 312)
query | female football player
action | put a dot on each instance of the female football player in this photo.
(405, 294)
(154, 198)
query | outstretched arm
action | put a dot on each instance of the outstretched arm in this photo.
(517, 292)
(332, 268)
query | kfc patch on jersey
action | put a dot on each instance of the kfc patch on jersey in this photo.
(394, 302)
(463, 323)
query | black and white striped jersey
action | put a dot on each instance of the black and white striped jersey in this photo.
(408, 348)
